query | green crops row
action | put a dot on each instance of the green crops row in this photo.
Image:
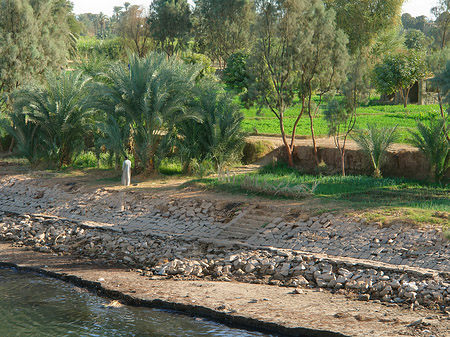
(358, 190)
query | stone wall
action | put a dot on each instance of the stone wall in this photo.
(409, 164)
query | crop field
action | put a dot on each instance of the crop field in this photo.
(265, 122)
(357, 191)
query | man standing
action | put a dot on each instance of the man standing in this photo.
(126, 172)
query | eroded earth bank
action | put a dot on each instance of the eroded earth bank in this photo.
(267, 264)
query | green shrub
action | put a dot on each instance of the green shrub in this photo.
(375, 143)
(202, 168)
(170, 167)
(200, 59)
(112, 49)
(431, 141)
(235, 74)
(85, 159)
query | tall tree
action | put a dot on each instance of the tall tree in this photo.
(61, 110)
(363, 20)
(223, 26)
(134, 27)
(150, 97)
(34, 38)
(170, 24)
(298, 50)
(341, 115)
(442, 15)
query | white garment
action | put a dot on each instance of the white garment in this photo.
(126, 174)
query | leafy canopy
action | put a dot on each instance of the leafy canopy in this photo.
(170, 24)
(399, 72)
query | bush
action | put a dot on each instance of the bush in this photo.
(170, 167)
(431, 141)
(200, 59)
(375, 143)
(235, 74)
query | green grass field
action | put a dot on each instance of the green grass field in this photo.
(265, 122)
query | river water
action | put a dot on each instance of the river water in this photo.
(33, 305)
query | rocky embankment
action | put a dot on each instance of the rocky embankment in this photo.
(165, 255)
(184, 236)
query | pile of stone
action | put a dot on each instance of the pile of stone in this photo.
(167, 256)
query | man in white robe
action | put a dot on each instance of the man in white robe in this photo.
(126, 172)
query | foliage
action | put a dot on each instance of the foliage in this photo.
(441, 81)
(150, 98)
(383, 115)
(217, 134)
(390, 41)
(416, 39)
(375, 143)
(134, 27)
(420, 23)
(298, 50)
(110, 49)
(60, 112)
(442, 15)
(399, 72)
(25, 133)
(92, 65)
(348, 191)
(260, 185)
(341, 114)
(235, 74)
(201, 60)
(202, 168)
(222, 27)
(112, 137)
(437, 60)
(362, 21)
(170, 166)
(34, 37)
(431, 141)
(341, 120)
(170, 24)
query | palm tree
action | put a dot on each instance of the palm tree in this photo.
(375, 142)
(25, 133)
(62, 111)
(218, 135)
(114, 138)
(431, 141)
(151, 95)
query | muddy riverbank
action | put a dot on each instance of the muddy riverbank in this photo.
(311, 312)
(265, 264)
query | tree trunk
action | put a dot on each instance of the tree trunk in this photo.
(444, 119)
(286, 145)
(11, 145)
(343, 161)
(404, 99)
(316, 155)
(311, 122)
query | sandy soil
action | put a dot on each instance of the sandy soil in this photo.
(322, 142)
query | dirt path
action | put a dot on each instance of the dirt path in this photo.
(310, 313)
(321, 142)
